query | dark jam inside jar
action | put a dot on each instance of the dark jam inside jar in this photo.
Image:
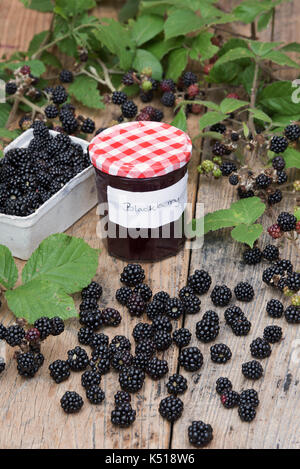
(145, 247)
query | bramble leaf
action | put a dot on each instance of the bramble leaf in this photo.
(8, 269)
(85, 90)
(247, 234)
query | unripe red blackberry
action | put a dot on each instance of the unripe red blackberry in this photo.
(32, 335)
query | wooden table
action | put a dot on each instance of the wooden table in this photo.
(30, 414)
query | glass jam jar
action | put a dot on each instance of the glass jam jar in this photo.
(141, 178)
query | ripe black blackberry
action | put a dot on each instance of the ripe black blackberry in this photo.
(281, 177)
(101, 363)
(292, 132)
(292, 314)
(121, 360)
(230, 399)
(71, 402)
(92, 319)
(162, 297)
(14, 335)
(127, 78)
(252, 370)
(140, 361)
(285, 265)
(59, 95)
(167, 85)
(260, 348)
(93, 290)
(200, 282)
(59, 371)
(278, 144)
(132, 275)
(154, 309)
(177, 384)
(249, 397)
(191, 359)
(221, 295)
(129, 109)
(174, 308)
(171, 408)
(182, 337)
(263, 181)
(219, 149)
(293, 282)
(245, 194)
(95, 395)
(51, 111)
(189, 78)
(186, 293)
(168, 99)
(272, 334)
(192, 305)
(272, 273)
(2, 365)
(161, 322)
(227, 168)
(144, 291)
(222, 385)
(78, 359)
(88, 126)
(146, 347)
(286, 221)
(220, 353)
(200, 434)
(271, 253)
(246, 413)
(28, 364)
(233, 313)
(219, 128)
(278, 163)
(123, 416)
(90, 378)
(84, 335)
(244, 291)
(96, 340)
(119, 342)
(122, 397)
(119, 97)
(275, 197)
(123, 294)
(157, 368)
(252, 256)
(207, 331)
(10, 88)
(142, 331)
(235, 137)
(66, 76)
(162, 340)
(110, 317)
(131, 379)
(57, 326)
(88, 304)
(233, 179)
(136, 305)
(3, 331)
(241, 326)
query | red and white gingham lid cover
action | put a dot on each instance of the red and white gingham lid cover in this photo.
(140, 149)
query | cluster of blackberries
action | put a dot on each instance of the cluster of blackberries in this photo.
(286, 222)
(236, 319)
(24, 83)
(281, 275)
(246, 401)
(30, 176)
(253, 256)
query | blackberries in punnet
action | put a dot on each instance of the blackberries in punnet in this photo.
(93, 290)
(177, 384)
(192, 305)
(110, 317)
(142, 331)
(168, 99)
(162, 340)
(90, 378)
(144, 291)
(171, 408)
(244, 292)
(230, 399)
(252, 256)
(174, 308)
(278, 144)
(123, 294)
(292, 314)
(44, 326)
(221, 295)
(260, 348)
(292, 132)
(222, 385)
(272, 334)
(59, 371)
(246, 413)
(271, 253)
(286, 221)
(227, 167)
(123, 416)
(252, 370)
(129, 109)
(71, 402)
(220, 353)
(78, 359)
(249, 397)
(191, 359)
(182, 337)
(14, 335)
(131, 379)
(157, 368)
(200, 434)
(132, 275)
(200, 282)
(206, 330)
(233, 313)
(57, 326)
(119, 97)
(66, 76)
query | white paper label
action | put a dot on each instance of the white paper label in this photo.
(147, 209)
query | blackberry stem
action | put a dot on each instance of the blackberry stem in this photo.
(106, 75)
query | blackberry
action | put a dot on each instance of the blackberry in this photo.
(95, 395)
(260, 348)
(157, 116)
(220, 353)
(127, 79)
(162, 323)
(119, 342)
(219, 149)
(227, 168)
(96, 340)
(157, 368)
(51, 111)
(271, 253)
(200, 434)
(154, 309)
(144, 291)
(28, 364)
(182, 337)
(119, 97)
(88, 304)
(278, 144)
(167, 85)
(162, 340)
(189, 78)
(132, 275)
(192, 305)
(102, 364)
(123, 294)
(162, 297)
(263, 181)
(59, 371)
(232, 313)
(286, 221)
(123, 416)
(200, 282)
(171, 408)
(252, 370)
(131, 379)
(272, 334)
(252, 256)
(233, 179)
(146, 347)
(293, 282)
(84, 335)
(186, 293)
(66, 76)
(71, 402)
(241, 326)
(221, 295)
(57, 326)
(292, 314)
(275, 308)
(174, 308)
(191, 359)
(93, 290)
(206, 331)
(285, 265)
(275, 197)
(140, 361)
(244, 292)
(281, 177)
(11, 88)
(92, 319)
(78, 359)
(278, 163)
(235, 137)
(100, 130)
(146, 96)
(44, 327)
(32, 335)
(245, 194)
(2, 365)
(219, 128)
(121, 360)
(247, 413)
(40, 130)
(249, 397)
(88, 126)
(129, 109)
(122, 397)
(142, 331)
(90, 378)
(14, 335)
(272, 273)
(110, 317)
(177, 384)
(222, 385)
(230, 399)
(136, 305)
(168, 99)
(3, 331)
(292, 132)
(59, 95)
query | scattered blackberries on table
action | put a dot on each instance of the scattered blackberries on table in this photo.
(249, 397)
(136, 305)
(191, 358)
(171, 408)
(244, 292)
(271, 253)
(200, 434)
(207, 330)
(278, 144)
(142, 330)
(14, 335)
(275, 308)
(292, 314)
(200, 282)
(132, 275)
(28, 363)
(157, 368)
(230, 399)
(162, 340)
(292, 132)
(123, 294)
(252, 256)
(272, 334)
(174, 308)
(182, 337)
(246, 413)
(92, 291)
(71, 402)
(119, 97)
(286, 221)
(131, 379)
(252, 370)
(177, 384)
(221, 295)
(110, 317)
(95, 395)
(78, 359)
(129, 109)
(220, 353)
(260, 348)
(123, 415)
(222, 385)
(59, 371)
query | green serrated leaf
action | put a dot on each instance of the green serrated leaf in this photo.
(235, 54)
(161, 48)
(280, 58)
(249, 10)
(180, 120)
(292, 158)
(177, 62)
(145, 59)
(291, 47)
(246, 130)
(211, 118)
(65, 8)
(278, 98)
(146, 27)
(36, 42)
(181, 22)
(51, 59)
(264, 20)
(297, 213)
(63, 260)
(247, 234)
(8, 269)
(44, 6)
(202, 47)
(40, 298)
(260, 115)
(9, 134)
(5, 109)
(85, 90)
(129, 10)
(229, 105)
(263, 48)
